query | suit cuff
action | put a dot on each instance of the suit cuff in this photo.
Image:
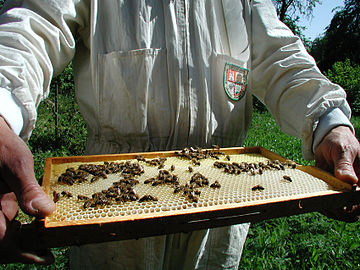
(11, 111)
(329, 120)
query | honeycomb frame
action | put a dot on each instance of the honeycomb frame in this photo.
(236, 191)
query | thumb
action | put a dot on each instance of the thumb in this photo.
(17, 173)
(34, 201)
(344, 169)
(31, 197)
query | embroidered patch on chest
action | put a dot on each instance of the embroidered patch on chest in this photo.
(235, 81)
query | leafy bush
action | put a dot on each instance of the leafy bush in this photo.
(65, 80)
(347, 75)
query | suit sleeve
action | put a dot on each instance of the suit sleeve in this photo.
(286, 79)
(37, 40)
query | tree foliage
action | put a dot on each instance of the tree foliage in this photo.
(348, 76)
(289, 12)
(341, 40)
(289, 8)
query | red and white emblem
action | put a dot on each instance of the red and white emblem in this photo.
(235, 81)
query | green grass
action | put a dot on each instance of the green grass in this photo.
(264, 132)
(309, 241)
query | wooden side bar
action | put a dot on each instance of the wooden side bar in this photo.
(36, 236)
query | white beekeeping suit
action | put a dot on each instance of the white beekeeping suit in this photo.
(158, 75)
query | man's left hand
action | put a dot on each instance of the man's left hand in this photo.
(339, 153)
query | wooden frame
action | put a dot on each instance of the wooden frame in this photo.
(37, 235)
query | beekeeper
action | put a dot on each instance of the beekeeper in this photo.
(160, 75)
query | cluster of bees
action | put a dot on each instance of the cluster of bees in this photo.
(189, 190)
(72, 176)
(123, 190)
(163, 177)
(196, 154)
(97, 171)
(253, 168)
(120, 191)
(159, 162)
(64, 193)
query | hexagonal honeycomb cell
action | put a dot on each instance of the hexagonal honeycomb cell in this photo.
(234, 188)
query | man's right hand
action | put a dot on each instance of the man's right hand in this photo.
(19, 186)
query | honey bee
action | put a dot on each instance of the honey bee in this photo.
(288, 178)
(148, 181)
(156, 183)
(89, 203)
(190, 169)
(95, 178)
(82, 197)
(161, 166)
(56, 196)
(216, 184)
(195, 162)
(257, 187)
(199, 180)
(140, 158)
(103, 175)
(147, 198)
(192, 197)
(178, 189)
(66, 194)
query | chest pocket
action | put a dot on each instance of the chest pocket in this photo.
(133, 94)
